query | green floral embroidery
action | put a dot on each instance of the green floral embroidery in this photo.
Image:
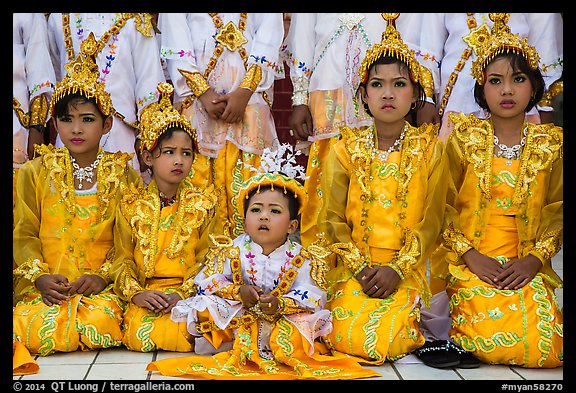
(504, 203)
(495, 313)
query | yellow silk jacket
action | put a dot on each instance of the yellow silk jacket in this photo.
(57, 231)
(154, 243)
(537, 198)
(385, 213)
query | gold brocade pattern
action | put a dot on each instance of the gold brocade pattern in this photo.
(407, 257)
(317, 253)
(23, 117)
(412, 150)
(549, 245)
(475, 35)
(455, 240)
(142, 208)
(195, 81)
(39, 110)
(82, 77)
(500, 40)
(142, 21)
(110, 171)
(252, 78)
(555, 88)
(391, 45)
(476, 136)
(231, 37)
(158, 116)
(350, 256)
(31, 269)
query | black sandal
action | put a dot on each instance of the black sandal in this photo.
(438, 354)
(467, 360)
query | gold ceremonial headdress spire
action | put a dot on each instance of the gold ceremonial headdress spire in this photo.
(157, 117)
(391, 45)
(489, 44)
(82, 77)
(277, 169)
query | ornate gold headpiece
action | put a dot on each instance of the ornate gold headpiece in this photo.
(82, 77)
(391, 45)
(278, 169)
(157, 117)
(488, 44)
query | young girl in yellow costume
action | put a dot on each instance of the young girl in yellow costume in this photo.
(504, 219)
(64, 220)
(266, 289)
(162, 230)
(384, 211)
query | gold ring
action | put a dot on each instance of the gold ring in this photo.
(376, 286)
(270, 305)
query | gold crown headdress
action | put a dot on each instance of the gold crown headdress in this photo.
(82, 77)
(157, 117)
(391, 45)
(277, 169)
(488, 44)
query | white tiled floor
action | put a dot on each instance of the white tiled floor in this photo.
(121, 364)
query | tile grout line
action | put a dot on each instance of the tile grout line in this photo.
(91, 364)
(396, 371)
(154, 357)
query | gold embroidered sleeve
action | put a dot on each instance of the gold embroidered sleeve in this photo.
(548, 246)
(288, 306)
(407, 256)
(129, 285)
(143, 23)
(31, 269)
(555, 88)
(221, 247)
(195, 81)
(455, 240)
(350, 255)
(23, 117)
(39, 111)
(317, 253)
(104, 271)
(252, 78)
(187, 289)
(231, 291)
(427, 81)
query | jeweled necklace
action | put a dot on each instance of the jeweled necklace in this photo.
(512, 152)
(84, 174)
(383, 155)
(166, 201)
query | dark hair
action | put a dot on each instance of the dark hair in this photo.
(62, 107)
(167, 135)
(403, 67)
(293, 204)
(518, 63)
